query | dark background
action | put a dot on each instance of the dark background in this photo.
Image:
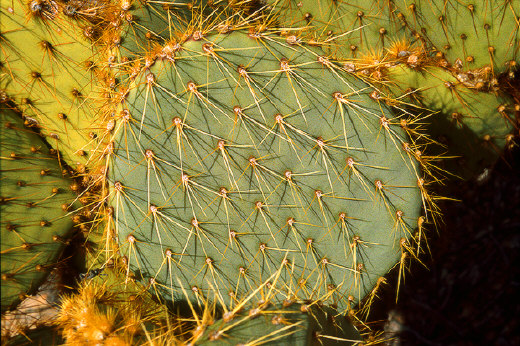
(468, 294)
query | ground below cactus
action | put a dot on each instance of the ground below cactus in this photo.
(468, 295)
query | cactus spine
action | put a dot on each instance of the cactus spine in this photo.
(246, 155)
(35, 203)
(238, 156)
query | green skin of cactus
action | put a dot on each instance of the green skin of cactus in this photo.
(155, 24)
(231, 168)
(479, 33)
(354, 28)
(151, 25)
(472, 125)
(283, 326)
(34, 223)
(46, 71)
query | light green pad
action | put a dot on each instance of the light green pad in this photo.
(49, 71)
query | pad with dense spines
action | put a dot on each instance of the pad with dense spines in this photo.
(150, 24)
(351, 29)
(49, 69)
(478, 33)
(162, 25)
(474, 125)
(34, 209)
(245, 156)
(282, 325)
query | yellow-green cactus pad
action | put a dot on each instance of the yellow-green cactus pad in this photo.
(48, 68)
(35, 204)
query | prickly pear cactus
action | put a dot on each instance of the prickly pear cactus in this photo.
(247, 160)
(48, 68)
(473, 126)
(349, 29)
(470, 34)
(35, 204)
(466, 34)
(282, 325)
(152, 28)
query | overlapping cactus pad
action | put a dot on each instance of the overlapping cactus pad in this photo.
(246, 158)
(468, 34)
(48, 68)
(471, 34)
(352, 29)
(34, 209)
(474, 126)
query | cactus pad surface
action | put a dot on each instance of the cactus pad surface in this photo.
(246, 157)
(35, 200)
(49, 69)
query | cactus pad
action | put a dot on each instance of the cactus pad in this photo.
(35, 199)
(470, 34)
(48, 69)
(474, 125)
(245, 156)
(293, 325)
(350, 29)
